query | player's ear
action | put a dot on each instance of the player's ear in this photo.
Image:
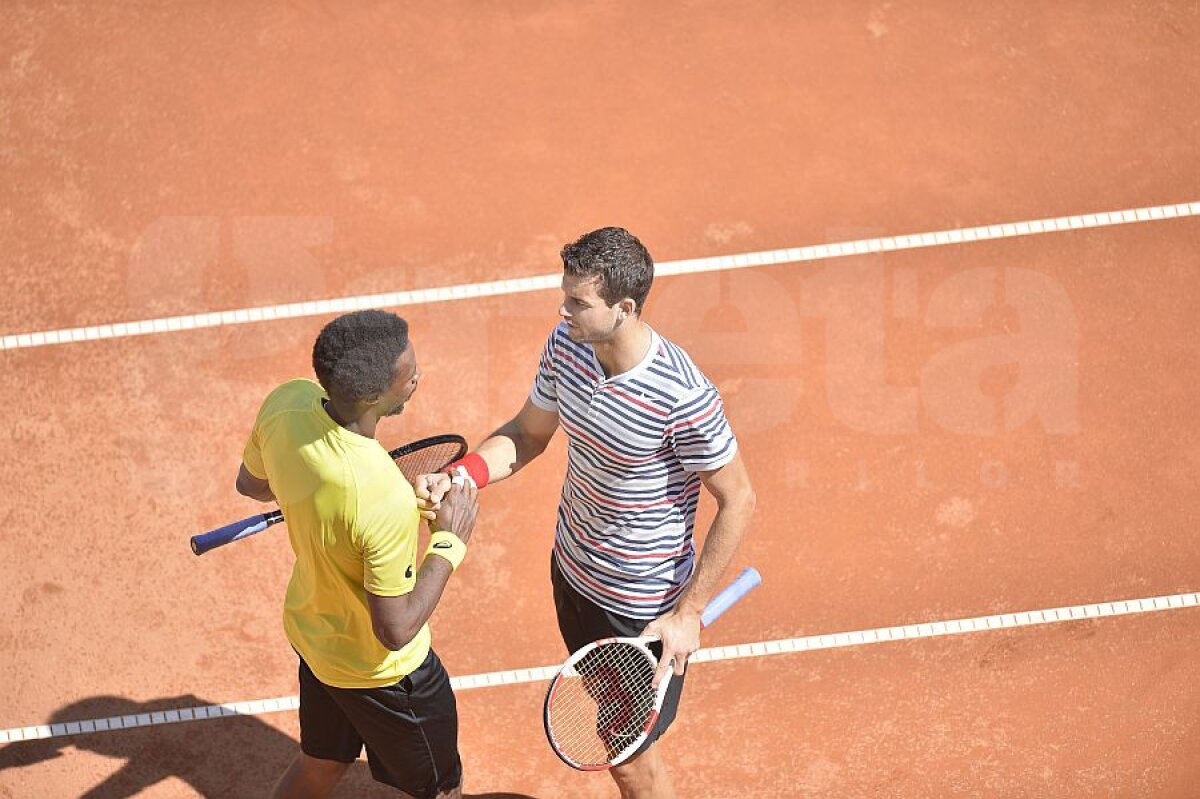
(628, 308)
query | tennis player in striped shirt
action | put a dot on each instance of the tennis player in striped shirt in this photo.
(646, 431)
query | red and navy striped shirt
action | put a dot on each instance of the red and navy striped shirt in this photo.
(636, 443)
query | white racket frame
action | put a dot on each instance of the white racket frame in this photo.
(642, 644)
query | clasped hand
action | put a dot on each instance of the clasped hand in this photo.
(431, 489)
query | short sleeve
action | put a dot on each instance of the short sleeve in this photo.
(544, 393)
(389, 548)
(252, 456)
(700, 434)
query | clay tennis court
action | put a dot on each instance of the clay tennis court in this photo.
(956, 334)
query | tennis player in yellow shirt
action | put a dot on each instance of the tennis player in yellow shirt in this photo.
(358, 602)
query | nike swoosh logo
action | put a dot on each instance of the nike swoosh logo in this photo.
(443, 545)
(408, 572)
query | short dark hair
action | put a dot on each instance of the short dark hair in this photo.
(617, 258)
(355, 355)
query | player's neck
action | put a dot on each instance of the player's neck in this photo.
(625, 349)
(354, 419)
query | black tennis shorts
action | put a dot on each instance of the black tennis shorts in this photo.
(581, 621)
(410, 728)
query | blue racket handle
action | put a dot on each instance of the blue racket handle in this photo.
(746, 582)
(233, 532)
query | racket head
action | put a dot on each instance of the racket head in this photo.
(601, 706)
(428, 455)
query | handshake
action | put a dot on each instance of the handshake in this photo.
(448, 503)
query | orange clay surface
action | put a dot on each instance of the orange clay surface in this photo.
(183, 159)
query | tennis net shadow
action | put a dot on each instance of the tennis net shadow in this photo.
(241, 756)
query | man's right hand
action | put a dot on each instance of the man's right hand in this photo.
(430, 488)
(457, 510)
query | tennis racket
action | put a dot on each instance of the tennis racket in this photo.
(426, 456)
(601, 705)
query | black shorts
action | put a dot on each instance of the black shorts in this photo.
(410, 728)
(581, 621)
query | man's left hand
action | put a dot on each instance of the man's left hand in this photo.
(679, 632)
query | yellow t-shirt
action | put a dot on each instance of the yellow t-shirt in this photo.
(352, 519)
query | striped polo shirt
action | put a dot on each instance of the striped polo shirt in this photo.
(636, 442)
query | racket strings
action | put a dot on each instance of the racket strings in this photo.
(601, 705)
(428, 460)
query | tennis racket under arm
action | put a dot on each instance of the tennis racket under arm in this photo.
(602, 704)
(420, 457)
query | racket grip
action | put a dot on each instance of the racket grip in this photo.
(232, 532)
(747, 581)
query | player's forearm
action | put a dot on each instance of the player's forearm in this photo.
(724, 536)
(508, 450)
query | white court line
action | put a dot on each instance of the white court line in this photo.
(809, 643)
(496, 288)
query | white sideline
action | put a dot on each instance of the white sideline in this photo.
(496, 288)
(809, 643)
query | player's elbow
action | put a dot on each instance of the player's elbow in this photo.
(397, 628)
(531, 431)
(242, 488)
(743, 492)
(250, 486)
(530, 446)
(741, 500)
(395, 637)
(748, 501)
